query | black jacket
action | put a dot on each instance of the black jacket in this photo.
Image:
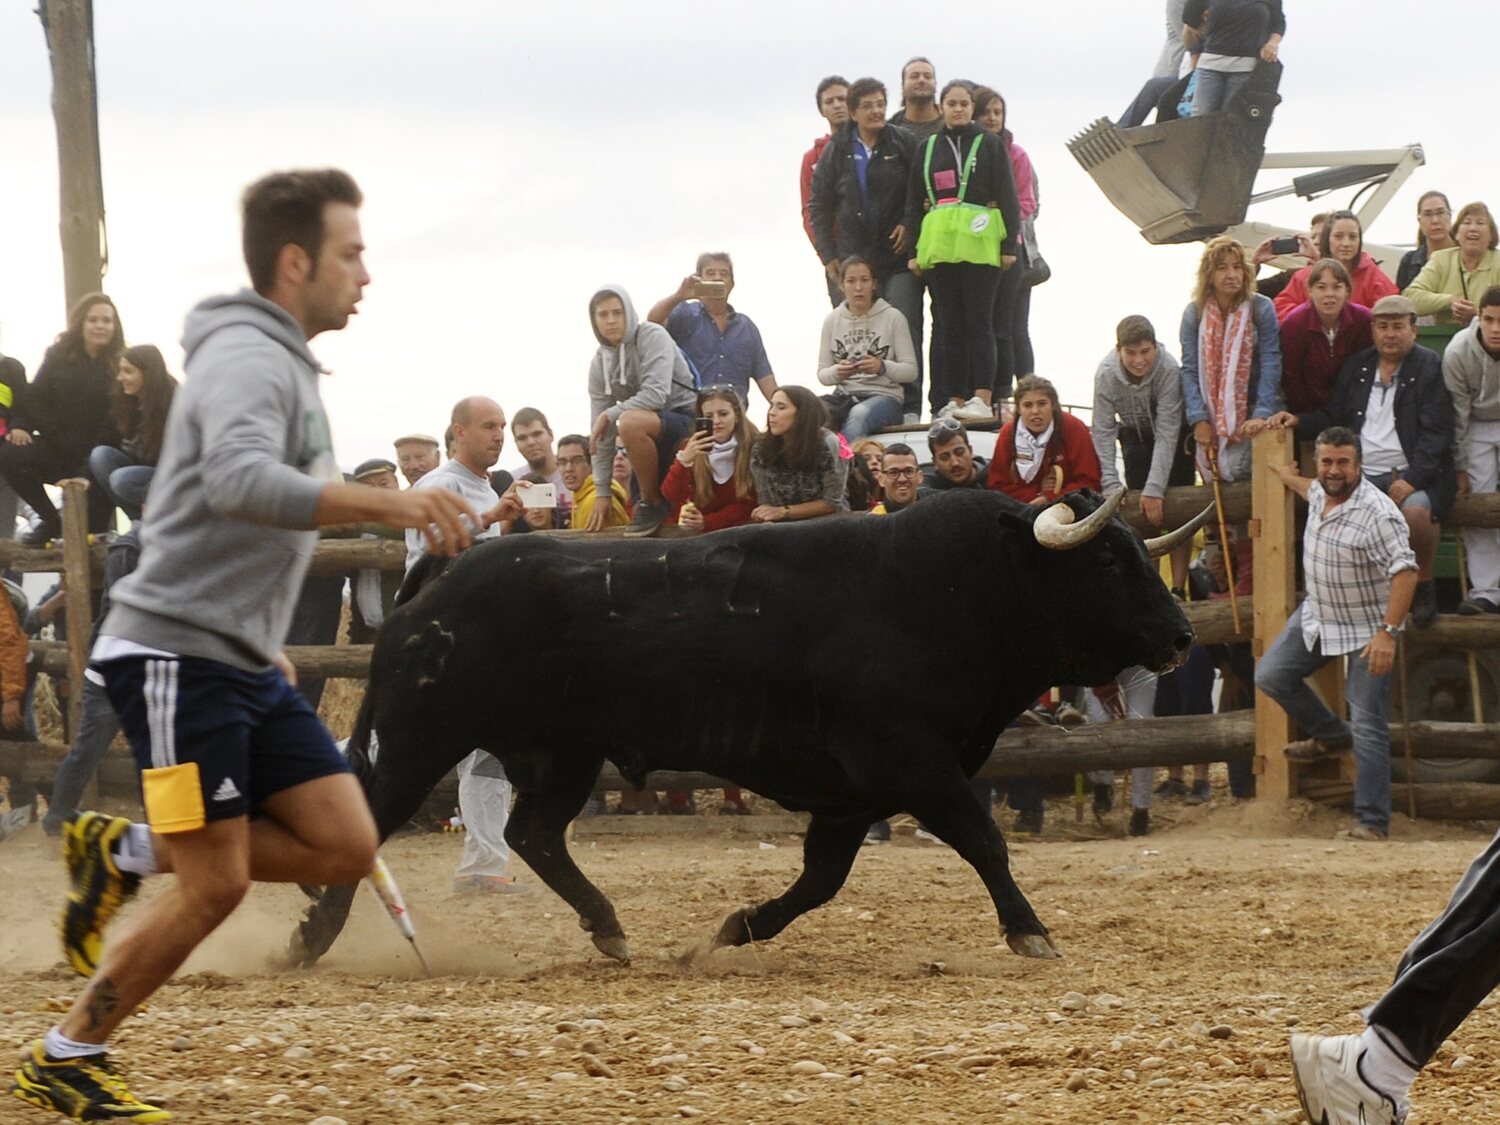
(842, 224)
(68, 404)
(13, 378)
(1424, 418)
(991, 184)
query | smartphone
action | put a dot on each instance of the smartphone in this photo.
(1289, 245)
(703, 425)
(538, 495)
(704, 290)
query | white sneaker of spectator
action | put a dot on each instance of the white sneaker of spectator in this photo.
(975, 410)
(948, 410)
(1332, 1089)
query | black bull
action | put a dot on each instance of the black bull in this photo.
(851, 667)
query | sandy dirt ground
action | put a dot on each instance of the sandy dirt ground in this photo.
(1189, 956)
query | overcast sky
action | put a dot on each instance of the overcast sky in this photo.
(514, 157)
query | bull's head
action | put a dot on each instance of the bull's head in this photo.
(1055, 527)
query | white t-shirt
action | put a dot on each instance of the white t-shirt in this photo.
(1381, 448)
(453, 476)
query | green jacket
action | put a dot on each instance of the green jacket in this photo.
(1443, 278)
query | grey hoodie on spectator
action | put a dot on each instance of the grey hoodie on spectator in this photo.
(647, 371)
(229, 526)
(1473, 378)
(1150, 407)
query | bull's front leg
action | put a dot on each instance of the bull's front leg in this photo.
(949, 811)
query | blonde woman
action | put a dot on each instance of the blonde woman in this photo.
(709, 484)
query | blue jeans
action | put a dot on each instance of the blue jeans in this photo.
(903, 291)
(869, 414)
(96, 731)
(1215, 88)
(122, 476)
(1282, 674)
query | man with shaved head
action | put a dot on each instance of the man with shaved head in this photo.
(478, 426)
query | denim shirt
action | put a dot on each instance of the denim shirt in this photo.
(1264, 391)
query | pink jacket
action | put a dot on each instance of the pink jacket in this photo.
(809, 162)
(1025, 179)
(1370, 284)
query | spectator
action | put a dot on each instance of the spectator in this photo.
(535, 519)
(721, 345)
(139, 403)
(919, 114)
(1188, 690)
(64, 414)
(1169, 64)
(533, 436)
(1471, 370)
(833, 106)
(1319, 335)
(1130, 695)
(12, 387)
(859, 210)
(1394, 398)
(1231, 359)
(709, 485)
(478, 439)
(1343, 240)
(1360, 575)
(1307, 247)
(1453, 279)
(900, 477)
(1011, 318)
(1138, 401)
(961, 175)
(1434, 213)
(1240, 34)
(417, 454)
(871, 450)
(866, 354)
(573, 462)
(953, 462)
(861, 485)
(620, 471)
(640, 395)
(372, 592)
(1042, 452)
(795, 464)
(99, 725)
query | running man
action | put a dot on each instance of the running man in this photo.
(191, 649)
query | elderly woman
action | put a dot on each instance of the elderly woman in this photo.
(1319, 334)
(1342, 239)
(1450, 284)
(1434, 233)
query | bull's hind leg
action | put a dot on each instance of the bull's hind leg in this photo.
(951, 813)
(828, 851)
(536, 833)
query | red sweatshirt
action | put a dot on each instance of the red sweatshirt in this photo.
(1071, 450)
(809, 162)
(727, 509)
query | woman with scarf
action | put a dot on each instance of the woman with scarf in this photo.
(1042, 452)
(1343, 240)
(961, 186)
(1231, 368)
(709, 484)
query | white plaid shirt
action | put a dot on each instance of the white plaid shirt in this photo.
(1348, 558)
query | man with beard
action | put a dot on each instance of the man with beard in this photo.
(1361, 574)
(919, 114)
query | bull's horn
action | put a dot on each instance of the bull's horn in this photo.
(1055, 529)
(1166, 544)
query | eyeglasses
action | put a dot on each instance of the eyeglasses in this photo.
(899, 474)
(1440, 213)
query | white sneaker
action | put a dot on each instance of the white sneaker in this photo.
(947, 410)
(975, 410)
(910, 418)
(927, 837)
(1331, 1087)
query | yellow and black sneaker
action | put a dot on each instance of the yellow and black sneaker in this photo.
(86, 1089)
(97, 888)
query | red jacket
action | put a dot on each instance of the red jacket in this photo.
(1370, 284)
(809, 162)
(1309, 363)
(1071, 450)
(727, 509)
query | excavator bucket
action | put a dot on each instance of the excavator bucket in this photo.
(1187, 179)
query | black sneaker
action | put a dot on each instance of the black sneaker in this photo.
(1200, 795)
(86, 1089)
(1172, 787)
(1424, 604)
(878, 833)
(42, 534)
(1140, 822)
(647, 519)
(1474, 607)
(1104, 798)
(1029, 822)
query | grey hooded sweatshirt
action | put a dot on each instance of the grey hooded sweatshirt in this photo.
(1151, 407)
(883, 333)
(229, 525)
(647, 371)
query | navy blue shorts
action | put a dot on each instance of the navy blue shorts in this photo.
(213, 742)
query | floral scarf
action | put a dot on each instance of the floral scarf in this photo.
(1226, 348)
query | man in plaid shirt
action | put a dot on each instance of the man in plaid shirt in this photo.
(1361, 573)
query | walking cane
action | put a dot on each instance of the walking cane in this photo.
(1224, 544)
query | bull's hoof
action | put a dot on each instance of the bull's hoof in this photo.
(612, 946)
(297, 956)
(735, 930)
(1033, 945)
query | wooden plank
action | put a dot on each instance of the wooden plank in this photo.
(77, 601)
(1275, 571)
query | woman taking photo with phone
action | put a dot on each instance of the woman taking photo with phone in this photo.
(962, 196)
(1343, 240)
(709, 484)
(796, 466)
(139, 403)
(865, 353)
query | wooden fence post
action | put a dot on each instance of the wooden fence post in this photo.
(1273, 530)
(75, 521)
